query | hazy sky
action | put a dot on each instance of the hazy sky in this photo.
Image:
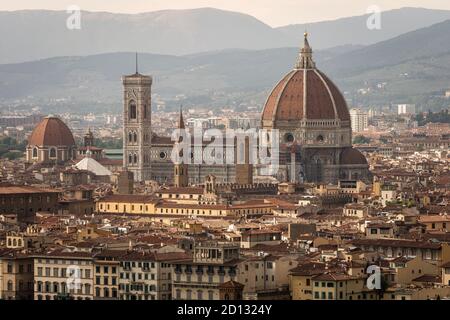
(272, 12)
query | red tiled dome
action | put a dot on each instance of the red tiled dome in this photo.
(51, 131)
(350, 156)
(305, 93)
(317, 99)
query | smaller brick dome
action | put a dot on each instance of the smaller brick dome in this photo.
(51, 131)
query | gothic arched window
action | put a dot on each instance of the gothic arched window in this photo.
(130, 137)
(135, 137)
(35, 152)
(130, 158)
(135, 158)
(132, 112)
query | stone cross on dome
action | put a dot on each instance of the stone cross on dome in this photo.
(305, 60)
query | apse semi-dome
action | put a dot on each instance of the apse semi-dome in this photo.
(351, 156)
(51, 131)
(305, 93)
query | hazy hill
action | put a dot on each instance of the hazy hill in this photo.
(409, 68)
(36, 34)
(30, 35)
(353, 30)
(427, 42)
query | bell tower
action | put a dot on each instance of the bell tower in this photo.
(137, 124)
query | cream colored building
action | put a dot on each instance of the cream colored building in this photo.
(300, 280)
(408, 269)
(265, 273)
(147, 276)
(356, 210)
(213, 264)
(15, 241)
(337, 286)
(16, 276)
(359, 120)
(436, 223)
(445, 274)
(63, 275)
(106, 275)
(148, 205)
(191, 195)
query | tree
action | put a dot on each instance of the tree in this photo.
(7, 144)
(361, 140)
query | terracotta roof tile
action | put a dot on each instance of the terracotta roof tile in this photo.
(51, 131)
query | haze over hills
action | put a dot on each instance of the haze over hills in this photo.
(413, 67)
(37, 34)
(353, 30)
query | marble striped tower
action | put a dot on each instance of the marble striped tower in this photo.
(137, 89)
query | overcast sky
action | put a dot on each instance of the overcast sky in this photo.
(272, 12)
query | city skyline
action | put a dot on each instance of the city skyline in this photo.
(231, 171)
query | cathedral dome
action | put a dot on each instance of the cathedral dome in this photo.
(305, 93)
(351, 156)
(51, 131)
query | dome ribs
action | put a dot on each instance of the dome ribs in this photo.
(51, 131)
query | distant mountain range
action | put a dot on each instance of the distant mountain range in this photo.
(37, 34)
(411, 68)
(353, 30)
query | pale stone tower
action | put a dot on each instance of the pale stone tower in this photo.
(137, 124)
(181, 174)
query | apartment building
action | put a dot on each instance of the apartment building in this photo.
(106, 275)
(16, 276)
(265, 274)
(436, 223)
(433, 252)
(359, 120)
(63, 275)
(147, 275)
(340, 286)
(213, 264)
